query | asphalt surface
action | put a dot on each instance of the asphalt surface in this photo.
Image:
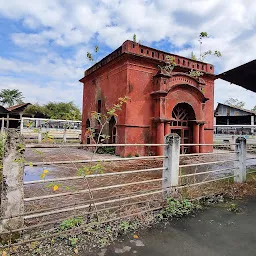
(215, 231)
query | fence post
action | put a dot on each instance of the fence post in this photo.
(240, 171)
(12, 194)
(2, 126)
(21, 124)
(233, 141)
(171, 163)
(65, 136)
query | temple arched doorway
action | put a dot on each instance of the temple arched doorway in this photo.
(181, 123)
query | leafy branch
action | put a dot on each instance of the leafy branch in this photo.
(203, 55)
(169, 64)
(90, 56)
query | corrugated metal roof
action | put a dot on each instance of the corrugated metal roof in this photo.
(244, 75)
(241, 109)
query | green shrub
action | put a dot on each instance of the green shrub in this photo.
(106, 150)
(176, 208)
(71, 223)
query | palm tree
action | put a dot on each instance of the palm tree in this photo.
(10, 97)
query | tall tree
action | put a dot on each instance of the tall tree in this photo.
(234, 103)
(56, 110)
(10, 97)
(254, 109)
(35, 109)
(62, 110)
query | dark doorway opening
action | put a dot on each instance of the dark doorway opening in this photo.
(181, 124)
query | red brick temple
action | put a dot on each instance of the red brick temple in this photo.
(160, 103)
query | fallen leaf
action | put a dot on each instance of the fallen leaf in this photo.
(4, 253)
(76, 251)
(46, 171)
(55, 187)
(135, 236)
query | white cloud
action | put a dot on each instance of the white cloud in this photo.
(77, 23)
(49, 91)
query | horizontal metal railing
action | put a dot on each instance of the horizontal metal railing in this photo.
(93, 176)
(42, 145)
(206, 172)
(207, 163)
(95, 160)
(88, 190)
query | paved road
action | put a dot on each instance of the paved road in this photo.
(215, 231)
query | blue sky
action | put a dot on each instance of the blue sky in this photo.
(44, 43)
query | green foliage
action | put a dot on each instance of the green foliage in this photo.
(71, 223)
(56, 110)
(63, 110)
(90, 56)
(10, 97)
(203, 55)
(233, 208)
(203, 34)
(193, 56)
(134, 38)
(35, 109)
(47, 137)
(176, 208)
(210, 52)
(234, 103)
(106, 150)
(254, 109)
(21, 148)
(126, 226)
(169, 64)
(94, 169)
(195, 73)
(217, 53)
(104, 119)
(73, 240)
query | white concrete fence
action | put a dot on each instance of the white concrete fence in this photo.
(172, 160)
(12, 197)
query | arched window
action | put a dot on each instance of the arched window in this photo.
(112, 130)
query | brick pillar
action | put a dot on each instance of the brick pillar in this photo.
(167, 129)
(201, 138)
(160, 138)
(196, 137)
